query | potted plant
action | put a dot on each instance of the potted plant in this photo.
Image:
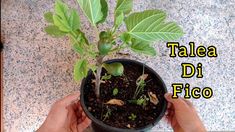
(119, 94)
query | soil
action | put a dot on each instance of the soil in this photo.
(126, 85)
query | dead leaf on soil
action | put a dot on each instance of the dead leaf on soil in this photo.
(115, 102)
(153, 98)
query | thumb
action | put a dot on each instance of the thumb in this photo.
(71, 98)
(178, 103)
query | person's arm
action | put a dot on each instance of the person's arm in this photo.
(66, 115)
(182, 115)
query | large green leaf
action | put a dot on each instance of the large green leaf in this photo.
(115, 69)
(54, 31)
(104, 10)
(80, 69)
(49, 17)
(142, 47)
(123, 6)
(149, 25)
(92, 9)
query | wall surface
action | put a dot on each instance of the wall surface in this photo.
(38, 68)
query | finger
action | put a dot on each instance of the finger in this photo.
(70, 98)
(84, 124)
(74, 127)
(169, 105)
(169, 116)
(178, 103)
(188, 102)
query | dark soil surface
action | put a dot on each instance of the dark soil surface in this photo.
(126, 85)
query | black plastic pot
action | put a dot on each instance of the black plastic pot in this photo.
(99, 126)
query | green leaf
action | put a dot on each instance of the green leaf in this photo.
(140, 101)
(125, 37)
(104, 10)
(61, 16)
(78, 48)
(54, 31)
(81, 37)
(119, 19)
(115, 69)
(49, 17)
(63, 25)
(67, 20)
(123, 6)
(149, 26)
(92, 9)
(80, 69)
(61, 9)
(106, 77)
(74, 20)
(115, 91)
(142, 47)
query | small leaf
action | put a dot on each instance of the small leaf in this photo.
(149, 26)
(115, 69)
(125, 37)
(74, 20)
(104, 10)
(132, 116)
(61, 9)
(106, 77)
(115, 91)
(124, 6)
(80, 69)
(54, 31)
(66, 19)
(78, 48)
(115, 102)
(142, 47)
(153, 98)
(48, 17)
(119, 19)
(61, 16)
(63, 25)
(92, 9)
(140, 101)
(81, 37)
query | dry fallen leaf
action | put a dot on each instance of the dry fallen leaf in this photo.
(142, 77)
(153, 98)
(115, 102)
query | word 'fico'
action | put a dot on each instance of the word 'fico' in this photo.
(189, 70)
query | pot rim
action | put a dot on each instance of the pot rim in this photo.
(98, 122)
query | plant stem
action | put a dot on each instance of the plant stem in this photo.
(99, 61)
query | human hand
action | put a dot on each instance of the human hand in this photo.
(182, 115)
(66, 115)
